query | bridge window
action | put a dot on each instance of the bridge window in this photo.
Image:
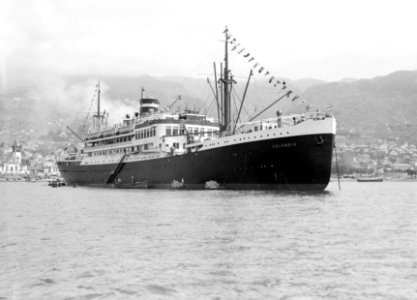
(168, 131)
(175, 130)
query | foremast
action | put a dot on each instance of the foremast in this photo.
(98, 117)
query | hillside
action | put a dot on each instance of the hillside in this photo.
(383, 107)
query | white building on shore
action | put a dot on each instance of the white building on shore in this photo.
(12, 163)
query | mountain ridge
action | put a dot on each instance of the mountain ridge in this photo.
(382, 107)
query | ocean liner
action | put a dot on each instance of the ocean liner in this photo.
(156, 148)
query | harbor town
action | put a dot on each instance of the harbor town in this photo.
(22, 160)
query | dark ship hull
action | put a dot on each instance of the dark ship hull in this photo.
(291, 163)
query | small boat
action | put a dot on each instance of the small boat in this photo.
(370, 179)
(177, 184)
(57, 183)
(212, 185)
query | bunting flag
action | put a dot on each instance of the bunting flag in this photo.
(329, 107)
(309, 106)
(272, 80)
(235, 46)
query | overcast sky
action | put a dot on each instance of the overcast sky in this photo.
(325, 39)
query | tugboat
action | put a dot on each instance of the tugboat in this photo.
(189, 149)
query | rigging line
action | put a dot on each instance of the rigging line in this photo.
(234, 97)
(204, 107)
(210, 107)
(243, 99)
(247, 113)
(269, 106)
(260, 90)
(89, 109)
(201, 62)
(204, 103)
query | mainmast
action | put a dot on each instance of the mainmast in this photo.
(226, 82)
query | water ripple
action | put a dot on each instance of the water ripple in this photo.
(88, 243)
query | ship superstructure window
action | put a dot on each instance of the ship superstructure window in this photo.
(168, 131)
(175, 130)
(146, 133)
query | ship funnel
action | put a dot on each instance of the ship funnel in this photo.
(148, 105)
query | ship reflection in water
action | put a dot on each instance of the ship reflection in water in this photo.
(87, 243)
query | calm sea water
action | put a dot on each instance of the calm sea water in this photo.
(90, 243)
